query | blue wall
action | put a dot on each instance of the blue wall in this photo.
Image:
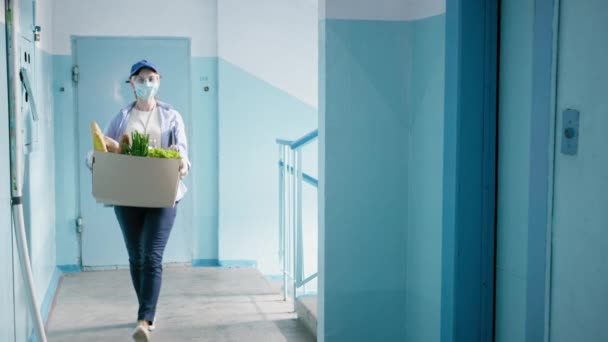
(513, 168)
(204, 156)
(40, 205)
(253, 114)
(425, 172)
(365, 265)
(381, 113)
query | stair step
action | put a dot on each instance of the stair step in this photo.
(306, 308)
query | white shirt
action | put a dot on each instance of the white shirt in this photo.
(170, 119)
(149, 123)
(145, 123)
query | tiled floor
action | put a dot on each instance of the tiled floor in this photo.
(196, 304)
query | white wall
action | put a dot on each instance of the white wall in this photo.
(274, 40)
(380, 9)
(184, 18)
(44, 19)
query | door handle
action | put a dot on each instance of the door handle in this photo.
(79, 224)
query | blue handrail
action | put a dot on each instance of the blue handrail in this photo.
(305, 177)
(310, 180)
(284, 142)
(300, 142)
(291, 178)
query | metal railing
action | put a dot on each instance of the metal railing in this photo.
(291, 179)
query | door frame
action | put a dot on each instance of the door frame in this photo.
(542, 156)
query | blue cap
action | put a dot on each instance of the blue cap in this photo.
(142, 64)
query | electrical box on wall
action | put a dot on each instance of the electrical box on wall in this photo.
(28, 104)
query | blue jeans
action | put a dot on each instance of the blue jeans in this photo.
(146, 232)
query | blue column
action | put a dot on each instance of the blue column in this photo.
(469, 170)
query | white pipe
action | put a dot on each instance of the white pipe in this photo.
(299, 249)
(16, 155)
(282, 216)
(294, 218)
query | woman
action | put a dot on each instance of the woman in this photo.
(146, 230)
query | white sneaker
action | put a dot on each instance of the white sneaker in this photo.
(151, 326)
(141, 334)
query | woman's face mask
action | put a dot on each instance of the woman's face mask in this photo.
(146, 85)
(146, 90)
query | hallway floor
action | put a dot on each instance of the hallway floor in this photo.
(196, 304)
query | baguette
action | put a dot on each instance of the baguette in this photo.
(98, 141)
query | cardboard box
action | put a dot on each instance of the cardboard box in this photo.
(135, 181)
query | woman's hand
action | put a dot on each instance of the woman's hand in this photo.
(183, 166)
(111, 144)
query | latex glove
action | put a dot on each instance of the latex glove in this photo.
(183, 168)
(89, 160)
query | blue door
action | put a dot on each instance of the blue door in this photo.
(103, 67)
(579, 239)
